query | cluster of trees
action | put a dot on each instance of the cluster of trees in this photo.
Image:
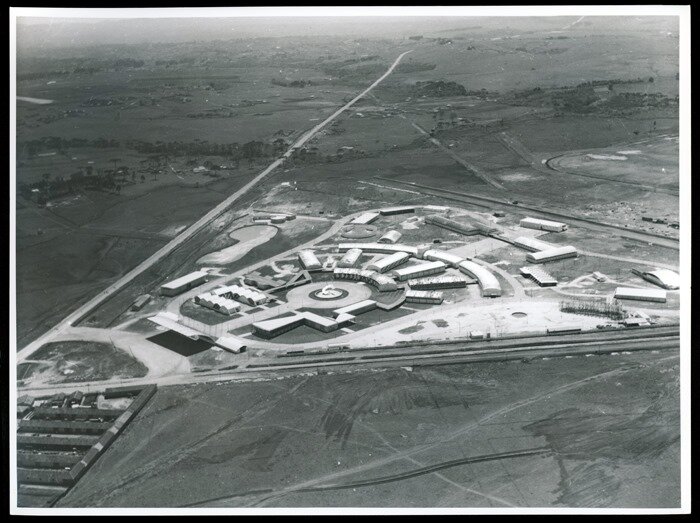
(248, 150)
(439, 89)
(292, 83)
(48, 188)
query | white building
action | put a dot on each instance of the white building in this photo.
(489, 284)
(543, 225)
(309, 261)
(439, 282)
(217, 303)
(389, 211)
(350, 259)
(416, 271)
(556, 253)
(542, 278)
(433, 297)
(389, 262)
(365, 218)
(184, 283)
(385, 248)
(532, 244)
(628, 293)
(445, 257)
(390, 237)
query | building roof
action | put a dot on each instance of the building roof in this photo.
(487, 280)
(184, 280)
(349, 309)
(387, 261)
(436, 280)
(532, 244)
(391, 236)
(552, 253)
(380, 247)
(540, 221)
(414, 269)
(424, 294)
(365, 218)
(397, 210)
(666, 277)
(445, 257)
(640, 293)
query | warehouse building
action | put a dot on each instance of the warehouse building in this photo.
(439, 282)
(390, 237)
(242, 294)
(217, 303)
(628, 293)
(389, 262)
(350, 259)
(390, 211)
(451, 225)
(445, 257)
(184, 283)
(542, 278)
(543, 225)
(489, 284)
(432, 297)
(664, 278)
(309, 261)
(556, 253)
(416, 271)
(532, 244)
(382, 248)
(276, 326)
(365, 218)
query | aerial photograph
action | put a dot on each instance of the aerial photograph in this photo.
(348, 260)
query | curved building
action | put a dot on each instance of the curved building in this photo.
(388, 262)
(489, 284)
(390, 237)
(380, 248)
(445, 257)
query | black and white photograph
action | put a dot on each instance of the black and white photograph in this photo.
(349, 260)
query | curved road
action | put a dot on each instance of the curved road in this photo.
(195, 227)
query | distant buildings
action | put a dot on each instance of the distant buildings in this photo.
(553, 254)
(184, 283)
(543, 225)
(628, 293)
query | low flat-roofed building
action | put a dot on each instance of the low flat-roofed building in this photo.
(364, 219)
(382, 282)
(664, 278)
(436, 208)
(433, 297)
(183, 283)
(543, 225)
(255, 279)
(556, 253)
(390, 237)
(140, 302)
(389, 211)
(447, 258)
(542, 278)
(276, 326)
(356, 308)
(452, 225)
(488, 283)
(389, 262)
(532, 244)
(309, 260)
(385, 248)
(629, 293)
(350, 259)
(422, 269)
(439, 282)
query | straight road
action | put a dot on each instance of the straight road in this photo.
(195, 227)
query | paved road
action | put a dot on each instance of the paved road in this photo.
(195, 227)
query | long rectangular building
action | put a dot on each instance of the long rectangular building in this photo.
(440, 282)
(366, 218)
(389, 262)
(542, 278)
(543, 225)
(416, 271)
(432, 297)
(385, 248)
(184, 283)
(389, 211)
(489, 284)
(350, 259)
(532, 244)
(309, 260)
(629, 293)
(445, 257)
(556, 253)
(452, 225)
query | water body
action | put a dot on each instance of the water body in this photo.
(248, 238)
(40, 101)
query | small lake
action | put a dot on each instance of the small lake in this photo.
(248, 238)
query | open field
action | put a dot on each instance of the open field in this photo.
(493, 434)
